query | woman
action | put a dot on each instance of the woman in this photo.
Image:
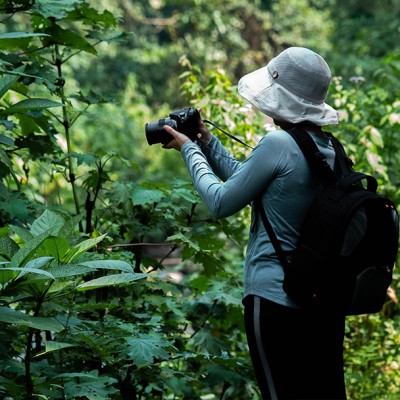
(296, 353)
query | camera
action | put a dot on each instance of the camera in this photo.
(185, 120)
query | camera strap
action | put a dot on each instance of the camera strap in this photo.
(228, 134)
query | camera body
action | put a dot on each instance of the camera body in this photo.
(184, 121)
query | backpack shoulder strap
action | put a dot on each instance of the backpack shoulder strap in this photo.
(316, 159)
(343, 164)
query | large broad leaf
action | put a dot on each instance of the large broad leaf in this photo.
(111, 280)
(108, 264)
(22, 256)
(55, 247)
(35, 267)
(64, 271)
(82, 248)
(49, 221)
(32, 105)
(144, 349)
(24, 271)
(11, 316)
(39, 262)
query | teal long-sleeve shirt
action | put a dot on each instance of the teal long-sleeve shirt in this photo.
(277, 170)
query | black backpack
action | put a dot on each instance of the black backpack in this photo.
(349, 240)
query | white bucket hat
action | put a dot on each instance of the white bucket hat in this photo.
(291, 88)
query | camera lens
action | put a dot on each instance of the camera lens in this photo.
(155, 132)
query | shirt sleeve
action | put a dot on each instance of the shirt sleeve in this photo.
(241, 182)
(220, 159)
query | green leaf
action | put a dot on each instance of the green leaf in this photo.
(70, 225)
(55, 8)
(60, 285)
(82, 248)
(39, 262)
(120, 192)
(88, 15)
(4, 158)
(6, 81)
(49, 221)
(209, 343)
(111, 280)
(21, 88)
(64, 271)
(17, 208)
(6, 140)
(8, 247)
(108, 264)
(142, 196)
(20, 35)
(56, 247)
(93, 375)
(186, 194)
(85, 158)
(144, 349)
(89, 387)
(69, 39)
(226, 293)
(6, 275)
(32, 105)
(25, 252)
(180, 237)
(26, 270)
(54, 346)
(11, 316)
(23, 233)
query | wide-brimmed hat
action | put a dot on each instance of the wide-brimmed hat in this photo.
(292, 87)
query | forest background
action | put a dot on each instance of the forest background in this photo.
(115, 281)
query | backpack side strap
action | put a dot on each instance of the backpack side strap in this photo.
(271, 233)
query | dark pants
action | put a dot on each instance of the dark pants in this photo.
(295, 354)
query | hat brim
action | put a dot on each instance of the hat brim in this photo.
(271, 98)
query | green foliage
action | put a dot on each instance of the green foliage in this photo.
(115, 281)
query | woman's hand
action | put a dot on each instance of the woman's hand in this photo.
(203, 137)
(179, 139)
